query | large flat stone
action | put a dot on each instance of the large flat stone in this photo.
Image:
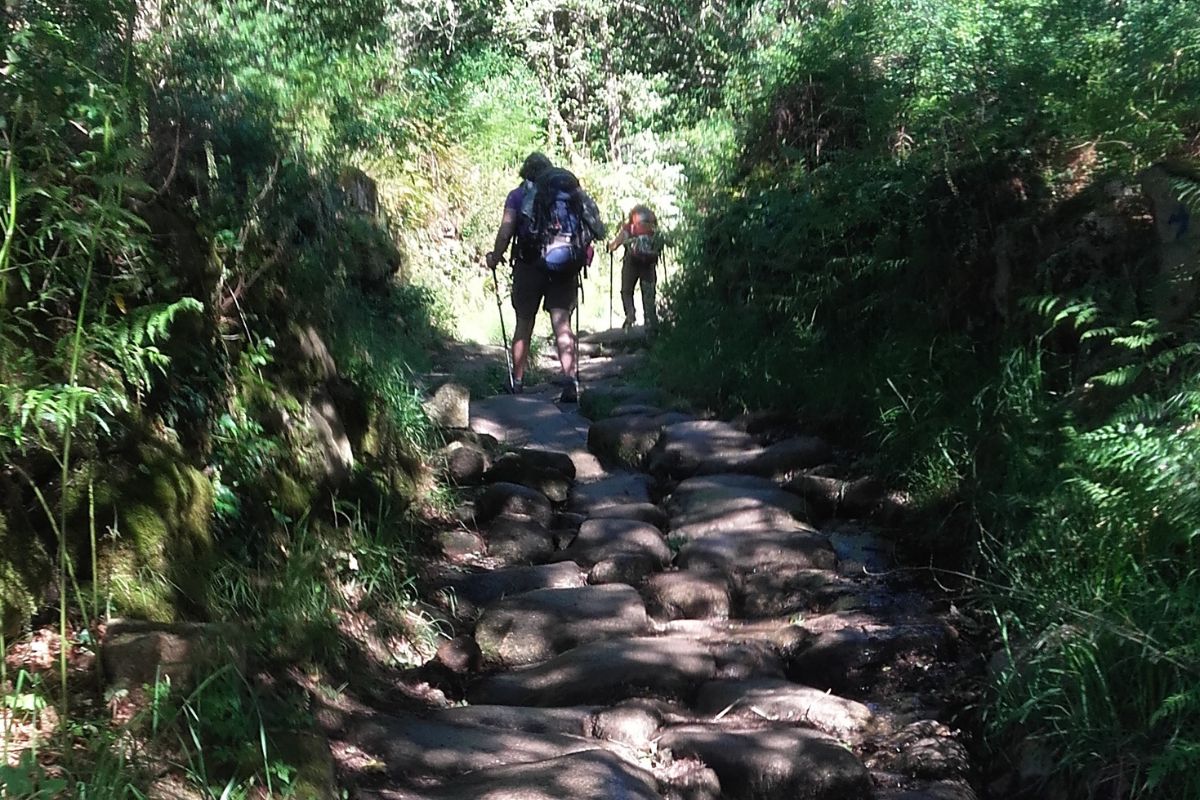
(574, 721)
(601, 539)
(781, 458)
(531, 421)
(537, 625)
(512, 468)
(851, 648)
(409, 745)
(470, 592)
(773, 763)
(643, 512)
(699, 490)
(604, 672)
(717, 503)
(782, 701)
(783, 589)
(617, 489)
(513, 501)
(593, 775)
(518, 541)
(686, 595)
(623, 441)
(682, 448)
(731, 552)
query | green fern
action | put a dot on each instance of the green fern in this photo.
(132, 344)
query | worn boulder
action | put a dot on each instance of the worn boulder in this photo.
(514, 468)
(603, 672)
(600, 539)
(683, 448)
(623, 441)
(643, 512)
(779, 700)
(470, 592)
(135, 654)
(588, 775)
(513, 501)
(538, 625)
(618, 489)
(686, 595)
(449, 406)
(519, 541)
(773, 763)
(627, 568)
(464, 463)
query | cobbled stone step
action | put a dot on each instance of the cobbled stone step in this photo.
(600, 539)
(591, 775)
(620, 488)
(682, 448)
(538, 625)
(410, 746)
(604, 672)
(551, 482)
(633, 723)
(733, 552)
(686, 595)
(717, 503)
(519, 541)
(850, 648)
(625, 440)
(513, 501)
(708, 447)
(775, 763)
(643, 512)
(470, 592)
(775, 700)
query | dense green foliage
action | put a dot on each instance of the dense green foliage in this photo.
(923, 221)
(206, 370)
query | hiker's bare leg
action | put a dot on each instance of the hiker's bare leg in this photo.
(520, 346)
(564, 339)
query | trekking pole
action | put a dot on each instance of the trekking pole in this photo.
(610, 289)
(512, 381)
(577, 306)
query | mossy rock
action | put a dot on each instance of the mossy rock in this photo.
(25, 572)
(292, 497)
(158, 564)
(307, 752)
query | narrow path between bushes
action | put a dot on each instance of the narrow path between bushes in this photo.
(652, 605)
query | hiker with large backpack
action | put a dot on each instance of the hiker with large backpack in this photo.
(643, 246)
(551, 223)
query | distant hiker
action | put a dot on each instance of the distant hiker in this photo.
(643, 246)
(551, 222)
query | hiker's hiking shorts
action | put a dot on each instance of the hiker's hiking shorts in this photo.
(533, 285)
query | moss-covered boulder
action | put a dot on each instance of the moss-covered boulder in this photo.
(158, 560)
(25, 572)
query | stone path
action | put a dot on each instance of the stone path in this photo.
(659, 606)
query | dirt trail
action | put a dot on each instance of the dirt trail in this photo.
(657, 606)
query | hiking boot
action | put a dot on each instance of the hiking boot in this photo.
(570, 393)
(627, 325)
(516, 387)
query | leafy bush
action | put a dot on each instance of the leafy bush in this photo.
(912, 219)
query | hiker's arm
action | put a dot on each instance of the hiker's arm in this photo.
(508, 226)
(618, 240)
